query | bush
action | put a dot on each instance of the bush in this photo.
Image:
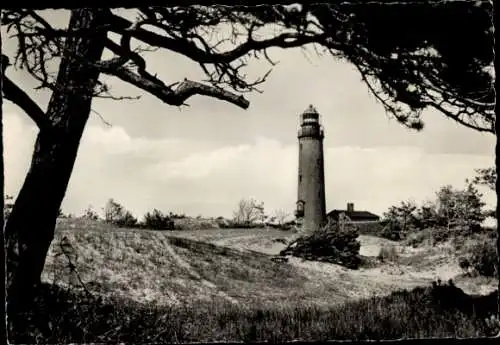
(430, 236)
(391, 230)
(482, 258)
(156, 220)
(333, 243)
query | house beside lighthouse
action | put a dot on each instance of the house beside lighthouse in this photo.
(311, 206)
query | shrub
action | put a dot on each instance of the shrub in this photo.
(391, 231)
(388, 254)
(156, 220)
(334, 244)
(483, 258)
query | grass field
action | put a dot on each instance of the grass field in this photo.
(221, 285)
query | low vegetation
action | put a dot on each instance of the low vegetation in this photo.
(335, 243)
(69, 316)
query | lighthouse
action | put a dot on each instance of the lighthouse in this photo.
(311, 208)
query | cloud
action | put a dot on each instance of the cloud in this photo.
(19, 140)
(200, 177)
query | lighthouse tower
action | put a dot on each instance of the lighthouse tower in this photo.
(311, 207)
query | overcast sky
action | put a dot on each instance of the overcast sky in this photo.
(203, 158)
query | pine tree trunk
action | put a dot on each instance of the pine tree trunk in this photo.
(30, 227)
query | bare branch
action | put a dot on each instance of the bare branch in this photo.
(102, 118)
(16, 95)
(177, 97)
(284, 40)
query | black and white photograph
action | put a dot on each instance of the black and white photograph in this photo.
(268, 172)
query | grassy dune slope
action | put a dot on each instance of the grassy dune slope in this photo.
(230, 265)
(151, 266)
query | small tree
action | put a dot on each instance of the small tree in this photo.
(447, 206)
(116, 214)
(399, 220)
(248, 212)
(470, 207)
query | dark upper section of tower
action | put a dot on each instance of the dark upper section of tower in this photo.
(310, 125)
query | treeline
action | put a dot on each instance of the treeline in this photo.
(454, 211)
(249, 213)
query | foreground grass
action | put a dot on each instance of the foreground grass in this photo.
(65, 316)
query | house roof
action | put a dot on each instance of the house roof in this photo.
(353, 215)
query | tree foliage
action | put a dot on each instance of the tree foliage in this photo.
(412, 55)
